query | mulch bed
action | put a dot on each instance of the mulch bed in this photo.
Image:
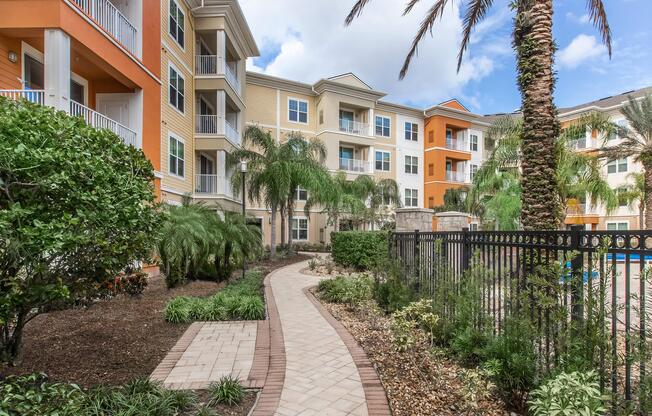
(416, 382)
(227, 410)
(111, 341)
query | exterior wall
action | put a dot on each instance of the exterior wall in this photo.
(409, 148)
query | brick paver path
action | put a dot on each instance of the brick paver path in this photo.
(321, 377)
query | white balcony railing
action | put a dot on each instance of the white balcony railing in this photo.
(206, 64)
(232, 78)
(212, 184)
(231, 132)
(355, 165)
(353, 127)
(207, 124)
(457, 144)
(112, 20)
(100, 121)
(455, 176)
(35, 96)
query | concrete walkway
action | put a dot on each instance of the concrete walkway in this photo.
(321, 377)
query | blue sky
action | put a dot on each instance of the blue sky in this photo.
(306, 42)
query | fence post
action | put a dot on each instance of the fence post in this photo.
(417, 258)
(466, 255)
(577, 281)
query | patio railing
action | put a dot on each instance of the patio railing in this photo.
(565, 282)
(100, 121)
(112, 20)
(35, 96)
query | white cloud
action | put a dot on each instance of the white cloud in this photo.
(581, 49)
(581, 19)
(315, 44)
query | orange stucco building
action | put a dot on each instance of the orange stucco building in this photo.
(91, 58)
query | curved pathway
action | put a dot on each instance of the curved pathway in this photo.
(321, 376)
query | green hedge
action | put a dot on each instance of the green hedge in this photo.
(359, 249)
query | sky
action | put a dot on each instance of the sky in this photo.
(306, 40)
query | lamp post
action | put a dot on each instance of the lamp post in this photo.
(243, 170)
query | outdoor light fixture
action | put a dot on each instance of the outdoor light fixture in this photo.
(12, 56)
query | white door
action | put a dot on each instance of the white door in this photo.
(115, 107)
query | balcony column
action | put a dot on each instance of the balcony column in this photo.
(371, 158)
(221, 52)
(372, 123)
(220, 110)
(57, 69)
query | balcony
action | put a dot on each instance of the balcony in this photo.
(354, 127)
(106, 15)
(90, 116)
(232, 133)
(212, 184)
(457, 144)
(355, 165)
(211, 125)
(455, 176)
(212, 65)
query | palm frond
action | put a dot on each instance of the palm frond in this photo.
(475, 12)
(598, 16)
(356, 11)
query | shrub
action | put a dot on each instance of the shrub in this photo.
(348, 290)
(227, 390)
(78, 208)
(392, 294)
(363, 250)
(178, 310)
(468, 344)
(33, 395)
(576, 393)
(475, 387)
(416, 315)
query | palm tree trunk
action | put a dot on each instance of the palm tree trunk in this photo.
(647, 166)
(641, 215)
(283, 227)
(290, 215)
(535, 48)
(272, 243)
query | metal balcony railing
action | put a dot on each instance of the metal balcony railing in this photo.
(353, 127)
(232, 132)
(105, 14)
(355, 165)
(100, 121)
(455, 176)
(455, 144)
(206, 64)
(35, 96)
(207, 124)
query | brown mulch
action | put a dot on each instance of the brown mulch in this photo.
(111, 341)
(417, 382)
(226, 410)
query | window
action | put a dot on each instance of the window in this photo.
(474, 143)
(411, 164)
(177, 161)
(473, 226)
(474, 170)
(431, 202)
(176, 89)
(617, 166)
(176, 23)
(431, 169)
(431, 136)
(621, 125)
(618, 226)
(382, 161)
(298, 110)
(299, 228)
(412, 132)
(321, 116)
(411, 197)
(382, 126)
(301, 194)
(449, 138)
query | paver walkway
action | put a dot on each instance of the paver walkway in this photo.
(321, 377)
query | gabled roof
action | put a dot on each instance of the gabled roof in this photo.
(607, 102)
(350, 78)
(456, 104)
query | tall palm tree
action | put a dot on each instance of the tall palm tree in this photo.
(499, 183)
(636, 195)
(239, 241)
(267, 182)
(340, 197)
(534, 46)
(637, 144)
(376, 196)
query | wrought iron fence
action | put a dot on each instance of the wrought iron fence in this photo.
(574, 282)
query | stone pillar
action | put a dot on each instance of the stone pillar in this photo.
(452, 221)
(57, 69)
(410, 219)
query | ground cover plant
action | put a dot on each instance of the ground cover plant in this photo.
(241, 299)
(227, 390)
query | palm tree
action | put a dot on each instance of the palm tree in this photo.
(376, 196)
(340, 197)
(238, 241)
(499, 183)
(637, 144)
(267, 182)
(636, 194)
(534, 46)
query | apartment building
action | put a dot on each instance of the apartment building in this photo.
(97, 59)
(204, 47)
(618, 173)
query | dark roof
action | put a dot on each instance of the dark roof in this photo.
(610, 101)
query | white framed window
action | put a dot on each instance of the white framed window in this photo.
(382, 161)
(617, 225)
(411, 164)
(299, 229)
(177, 24)
(411, 197)
(473, 226)
(474, 171)
(617, 166)
(382, 126)
(176, 158)
(297, 110)
(473, 143)
(411, 131)
(300, 194)
(177, 89)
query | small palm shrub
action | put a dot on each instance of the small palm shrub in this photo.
(178, 309)
(227, 390)
(576, 393)
(348, 290)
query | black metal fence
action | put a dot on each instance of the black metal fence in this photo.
(592, 285)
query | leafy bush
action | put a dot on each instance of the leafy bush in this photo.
(392, 294)
(359, 249)
(78, 208)
(227, 390)
(416, 315)
(348, 290)
(576, 393)
(475, 387)
(32, 395)
(468, 344)
(239, 300)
